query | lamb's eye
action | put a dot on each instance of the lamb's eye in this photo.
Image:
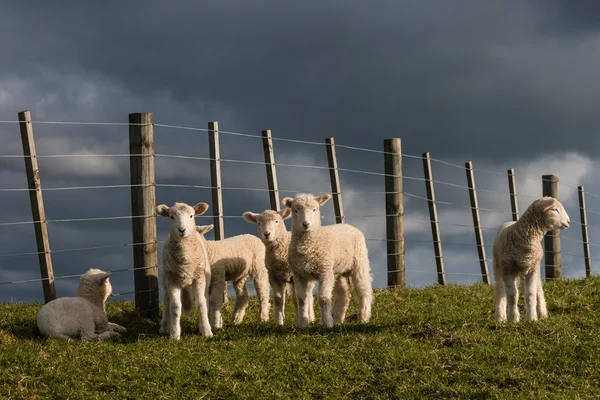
(296, 210)
(172, 217)
(276, 222)
(191, 216)
(314, 209)
(258, 223)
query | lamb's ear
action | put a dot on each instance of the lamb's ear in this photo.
(547, 204)
(203, 229)
(162, 210)
(287, 202)
(250, 217)
(285, 213)
(200, 208)
(103, 278)
(323, 199)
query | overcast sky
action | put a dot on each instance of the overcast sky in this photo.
(512, 84)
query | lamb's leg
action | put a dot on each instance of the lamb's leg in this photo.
(241, 301)
(531, 297)
(279, 290)
(341, 298)
(326, 281)
(289, 288)
(117, 327)
(363, 287)
(165, 321)
(499, 296)
(216, 302)
(90, 326)
(310, 302)
(174, 294)
(541, 301)
(261, 284)
(302, 293)
(62, 336)
(201, 302)
(187, 301)
(512, 296)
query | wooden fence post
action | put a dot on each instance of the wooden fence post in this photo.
(215, 182)
(552, 238)
(335, 181)
(271, 170)
(143, 206)
(394, 211)
(584, 231)
(477, 222)
(37, 206)
(435, 230)
(512, 188)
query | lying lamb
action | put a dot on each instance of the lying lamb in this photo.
(276, 238)
(518, 252)
(185, 269)
(327, 254)
(236, 259)
(83, 316)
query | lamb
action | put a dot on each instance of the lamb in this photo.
(83, 316)
(327, 254)
(186, 271)
(517, 252)
(235, 259)
(276, 238)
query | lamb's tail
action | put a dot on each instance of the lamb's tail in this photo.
(188, 300)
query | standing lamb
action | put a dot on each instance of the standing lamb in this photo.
(185, 269)
(235, 259)
(518, 252)
(83, 316)
(276, 238)
(327, 254)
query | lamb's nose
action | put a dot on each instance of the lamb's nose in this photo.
(306, 224)
(267, 234)
(181, 230)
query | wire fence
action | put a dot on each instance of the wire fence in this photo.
(420, 215)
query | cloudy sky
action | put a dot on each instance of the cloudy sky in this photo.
(512, 84)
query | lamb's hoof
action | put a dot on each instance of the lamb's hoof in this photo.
(174, 336)
(208, 334)
(302, 324)
(119, 328)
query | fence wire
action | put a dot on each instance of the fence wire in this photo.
(439, 221)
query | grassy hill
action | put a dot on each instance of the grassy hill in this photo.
(438, 342)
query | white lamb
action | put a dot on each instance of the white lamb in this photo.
(518, 252)
(235, 259)
(327, 254)
(276, 238)
(83, 316)
(185, 269)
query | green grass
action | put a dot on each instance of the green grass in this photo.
(438, 342)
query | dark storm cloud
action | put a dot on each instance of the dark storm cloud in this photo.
(435, 73)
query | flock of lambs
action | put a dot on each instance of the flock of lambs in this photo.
(195, 271)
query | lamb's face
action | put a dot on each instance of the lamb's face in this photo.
(306, 211)
(554, 213)
(269, 223)
(181, 215)
(108, 290)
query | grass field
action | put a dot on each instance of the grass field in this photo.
(438, 342)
